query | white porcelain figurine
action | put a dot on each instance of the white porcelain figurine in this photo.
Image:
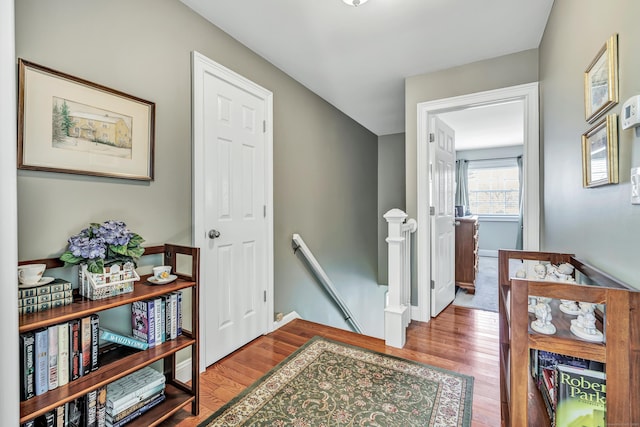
(585, 325)
(543, 323)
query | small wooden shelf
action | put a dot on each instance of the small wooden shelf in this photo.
(118, 363)
(521, 403)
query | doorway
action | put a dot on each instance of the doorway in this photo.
(232, 207)
(528, 94)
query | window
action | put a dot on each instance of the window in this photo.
(494, 187)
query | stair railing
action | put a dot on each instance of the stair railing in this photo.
(397, 313)
(300, 245)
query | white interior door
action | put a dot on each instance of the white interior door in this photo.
(230, 164)
(443, 159)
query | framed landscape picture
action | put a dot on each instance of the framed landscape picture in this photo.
(601, 81)
(600, 153)
(70, 125)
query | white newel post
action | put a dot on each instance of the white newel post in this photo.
(395, 311)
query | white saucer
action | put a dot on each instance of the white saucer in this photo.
(169, 279)
(42, 281)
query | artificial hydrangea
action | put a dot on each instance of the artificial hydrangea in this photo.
(102, 245)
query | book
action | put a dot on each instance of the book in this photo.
(101, 407)
(95, 341)
(117, 412)
(581, 397)
(60, 416)
(27, 368)
(74, 413)
(129, 341)
(132, 386)
(549, 360)
(90, 408)
(174, 316)
(42, 361)
(63, 353)
(46, 420)
(169, 318)
(179, 306)
(123, 413)
(60, 285)
(143, 321)
(157, 304)
(53, 356)
(74, 349)
(85, 345)
(163, 318)
(135, 414)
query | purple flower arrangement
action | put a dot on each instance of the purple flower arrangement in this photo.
(102, 245)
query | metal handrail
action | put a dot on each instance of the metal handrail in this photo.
(301, 246)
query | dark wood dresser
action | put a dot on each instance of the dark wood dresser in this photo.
(467, 252)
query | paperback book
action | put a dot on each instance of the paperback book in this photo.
(581, 399)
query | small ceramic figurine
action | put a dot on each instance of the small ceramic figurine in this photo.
(564, 272)
(543, 323)
(521, 274)
(569, 307)
(540, 270)
(585, 325)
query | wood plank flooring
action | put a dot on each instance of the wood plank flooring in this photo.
(460, 339)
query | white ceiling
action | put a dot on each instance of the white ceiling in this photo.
(490, 126)
(357, 58)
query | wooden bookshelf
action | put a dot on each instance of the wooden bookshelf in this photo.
(119, 362)
(521, 404)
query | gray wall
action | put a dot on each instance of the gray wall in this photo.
(599, 225)
(495, 73)
(391, 192)
(494, 233)
(325, 163)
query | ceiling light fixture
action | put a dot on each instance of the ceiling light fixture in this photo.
(355, 3)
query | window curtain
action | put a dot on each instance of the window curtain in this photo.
(462, 184)
(521, 203)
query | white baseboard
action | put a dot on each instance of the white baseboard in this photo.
(183, 371)
(416, 313)
(286, 319)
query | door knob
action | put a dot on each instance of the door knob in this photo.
(213, 234)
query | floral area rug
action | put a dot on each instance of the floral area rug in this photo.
(326, 383)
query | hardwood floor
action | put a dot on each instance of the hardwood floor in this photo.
(460, 339)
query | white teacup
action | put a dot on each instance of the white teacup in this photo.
(30, 274)
(161, 272)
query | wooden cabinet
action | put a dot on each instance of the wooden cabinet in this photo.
(114, 365)
(521, 403)
(467, 252)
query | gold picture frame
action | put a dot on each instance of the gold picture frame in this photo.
(70, 125)
(601, 81)
(600, 153)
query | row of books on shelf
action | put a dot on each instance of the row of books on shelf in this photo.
(112, 405)
(85, 411)
(573, 389)
(154, 321)
(51, 357)
(40, 298)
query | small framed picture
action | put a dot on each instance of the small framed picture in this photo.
(600, 153)
(601, 81)
(70, 125)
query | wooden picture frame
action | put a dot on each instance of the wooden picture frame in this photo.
(70, 125)
(600, 153)
(601, 81)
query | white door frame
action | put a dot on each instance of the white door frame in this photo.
(9, 404)
(199, 230)
(528, 93)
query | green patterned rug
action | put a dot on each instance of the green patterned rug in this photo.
(326, 383)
